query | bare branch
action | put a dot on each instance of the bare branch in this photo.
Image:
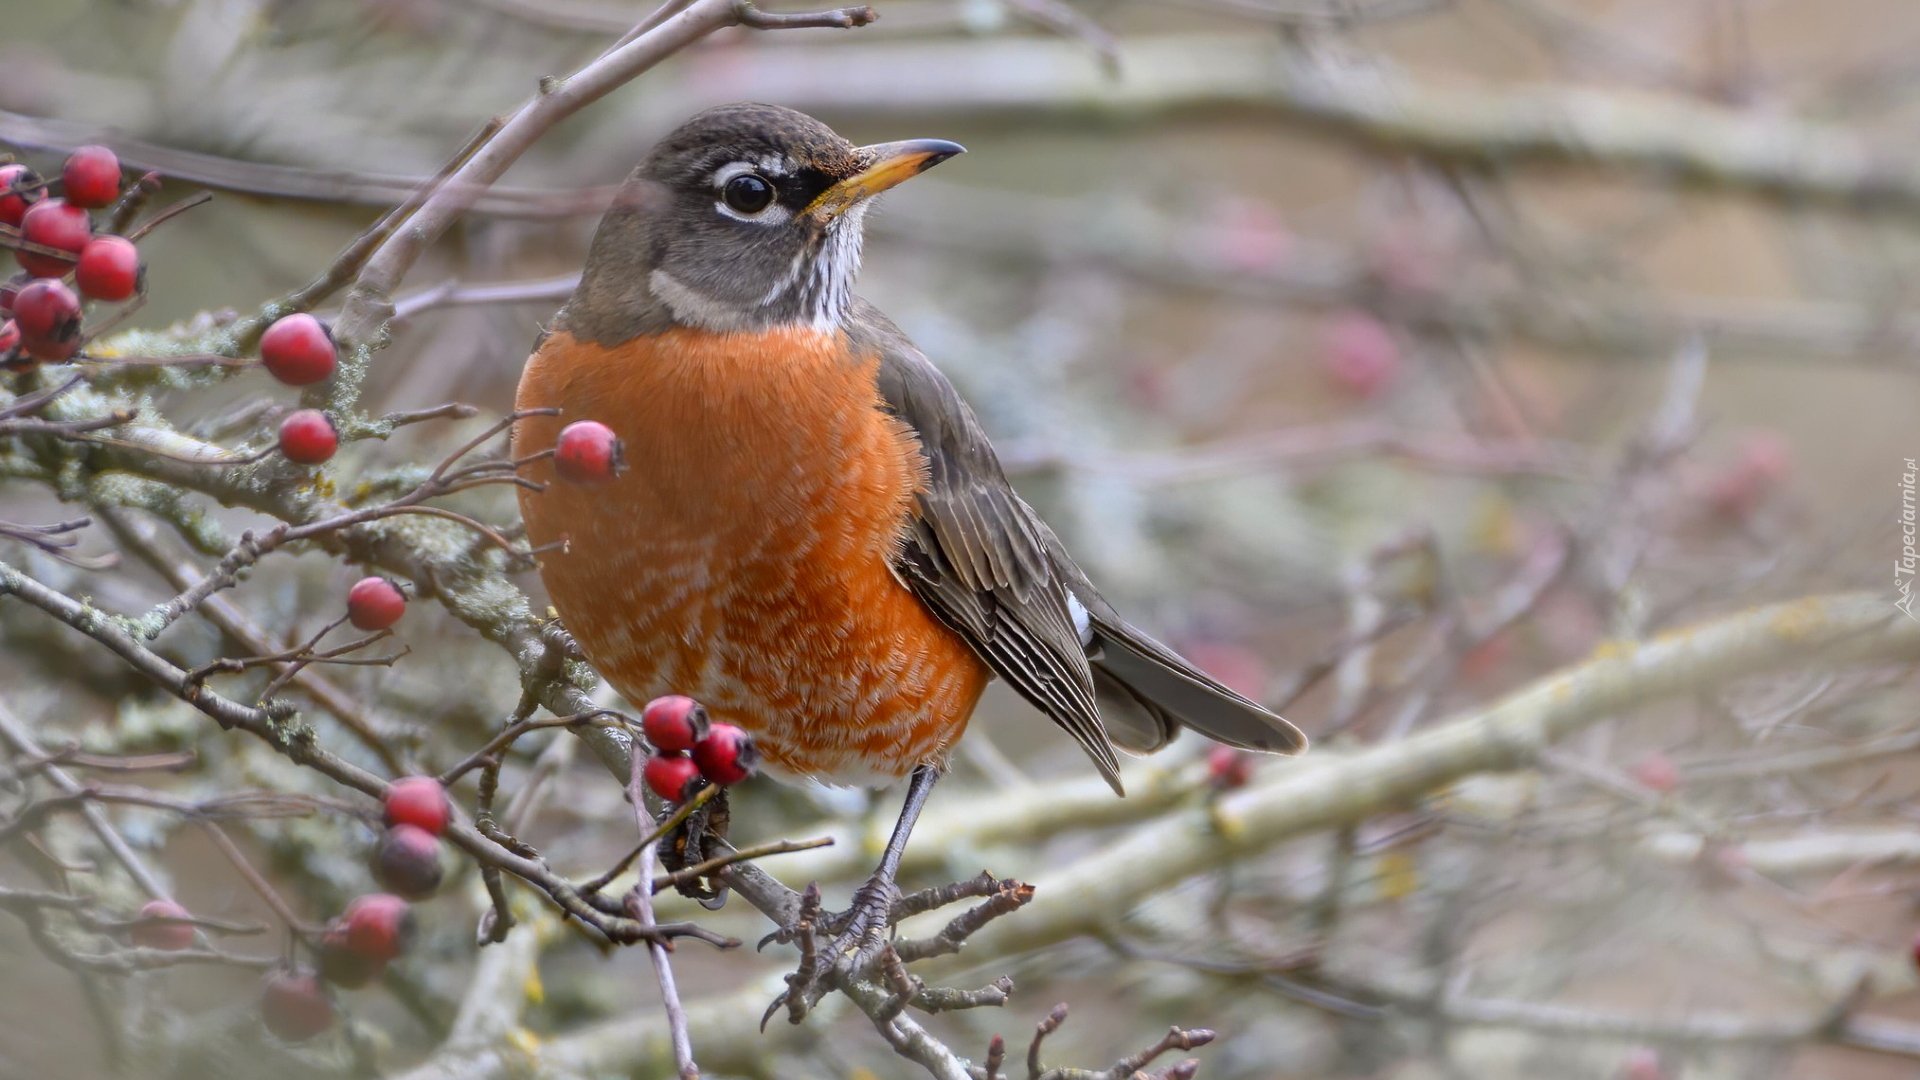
(1308, 795)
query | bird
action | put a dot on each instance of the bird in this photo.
(813, 535)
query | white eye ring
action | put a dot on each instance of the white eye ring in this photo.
(771, 214)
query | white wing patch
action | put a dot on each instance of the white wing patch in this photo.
(1082, 621)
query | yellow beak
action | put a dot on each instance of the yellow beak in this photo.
(891, 163)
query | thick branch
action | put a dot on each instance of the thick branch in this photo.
(1303, 796)
(1694, 1027)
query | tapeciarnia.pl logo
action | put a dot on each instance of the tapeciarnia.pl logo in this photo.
(1903, 567)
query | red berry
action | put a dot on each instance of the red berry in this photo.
(374, 603)
(298, 351)
(308, 437)
(1768, 455)
(407, 862)
(726, 756)
(419, 801)
(669, 775)
(340, 965)
(674, 723)
(91, 177)
(588, 452)
(14, 203)
(1247, 235)
(162, 933)
(1229, 768)
(48, 317)
(379, 926)
(1658, 772)
(1487, 657)
(109, 269)
(1731, 857)
(295, 1005)
(9, 339)
(1407, 263)
(1758, 470)
(54, 223)
(44, 306)
(1359, 354)
(1642, 1063)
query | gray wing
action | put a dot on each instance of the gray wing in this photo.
(989, 568)
(977, 555)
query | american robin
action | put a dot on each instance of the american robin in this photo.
(813, 536)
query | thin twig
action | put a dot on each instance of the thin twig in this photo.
(690, 874)
(681, 812)
(245, 868)
(198, 198)
(20, 738)
(640, 906)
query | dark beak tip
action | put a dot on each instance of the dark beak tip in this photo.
(939, 150)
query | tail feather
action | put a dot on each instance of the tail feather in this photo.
(1146, 692)
(1134, 723)
(1154, 692)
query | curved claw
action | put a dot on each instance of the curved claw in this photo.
(773, 1008)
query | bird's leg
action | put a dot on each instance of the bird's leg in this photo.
(873, 901)
(860, 930)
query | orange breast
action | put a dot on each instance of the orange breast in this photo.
(743, 557)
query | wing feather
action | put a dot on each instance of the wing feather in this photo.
(986, 565)
(975, 555)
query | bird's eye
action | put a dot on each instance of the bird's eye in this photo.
(747, 193)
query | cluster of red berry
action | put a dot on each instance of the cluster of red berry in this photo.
(376, 928)
(689, 749)
(299, 351)
(53, 238)
(353, 949)
(406, 861)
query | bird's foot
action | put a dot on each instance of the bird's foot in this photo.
(862, 928)
(858, 936)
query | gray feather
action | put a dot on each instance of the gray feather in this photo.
(986, 565)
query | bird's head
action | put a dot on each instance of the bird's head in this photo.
(747, 217)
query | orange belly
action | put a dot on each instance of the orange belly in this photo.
(743, 558)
